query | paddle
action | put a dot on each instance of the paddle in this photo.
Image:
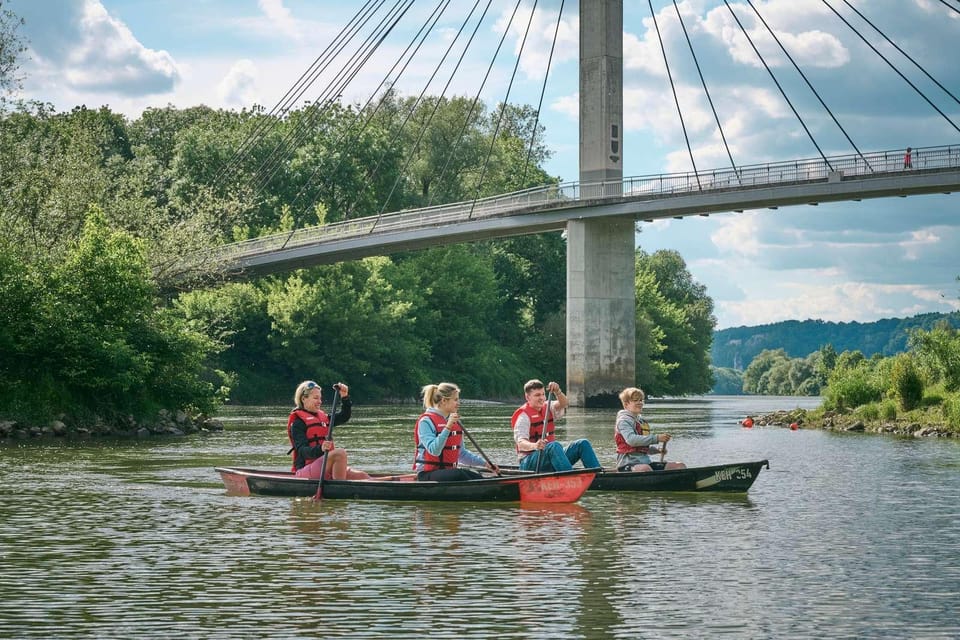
(663, 455)
(479, 450)
(323, 465)
(543, 432)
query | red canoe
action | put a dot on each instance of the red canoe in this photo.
(563, 486)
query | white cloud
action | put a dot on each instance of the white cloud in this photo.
(85, 49)
(737, 235)
(280, 18)
(238, 87)
(539, 38)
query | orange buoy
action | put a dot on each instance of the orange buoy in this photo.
(747, 422)
(794, 426)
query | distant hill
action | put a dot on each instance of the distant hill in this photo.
(736, 347)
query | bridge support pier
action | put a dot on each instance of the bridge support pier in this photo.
(601, 313)
(601, 299)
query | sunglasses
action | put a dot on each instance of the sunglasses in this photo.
(311, 385)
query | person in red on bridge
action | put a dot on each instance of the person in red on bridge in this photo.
(907, 159)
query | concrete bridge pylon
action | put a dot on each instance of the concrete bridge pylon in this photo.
(601, 299)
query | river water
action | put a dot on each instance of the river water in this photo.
(845, 536)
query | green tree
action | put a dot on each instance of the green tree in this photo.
(938, 352)
(766, 360)
(99, 346)
(680, 309)
(11, 48)
(906, 385)
(345, 322)
(727, 381)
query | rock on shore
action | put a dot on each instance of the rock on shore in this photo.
(836, 421)
(166, 423)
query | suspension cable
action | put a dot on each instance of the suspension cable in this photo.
(774, 78)
(348, 72)
(803, 75)
(892, 66)
(676, 100)
(905, 54)
(473, 104)
(706, 91)
(543, 90)
(434, 18)
(436, 107)
(354, 131)
(503, 107)
(949, 6)
(293, 94)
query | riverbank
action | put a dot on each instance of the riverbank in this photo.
(166, 423)
(916, 424)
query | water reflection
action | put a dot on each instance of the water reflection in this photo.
(851, 533)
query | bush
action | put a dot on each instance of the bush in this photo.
(869, 412)
(98, 344)
(906, 384)
(951, 410)
(851, 387)
(888, 410)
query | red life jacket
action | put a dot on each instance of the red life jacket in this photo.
(642, 428)
(451, 450)
(536, 424)
(318, 428)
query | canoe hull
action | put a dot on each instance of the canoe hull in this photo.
(561, 487)
(732, 477)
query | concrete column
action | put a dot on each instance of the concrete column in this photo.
(601, 321)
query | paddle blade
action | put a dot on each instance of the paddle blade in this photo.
(562, 487)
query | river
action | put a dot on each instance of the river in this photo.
(845, 536)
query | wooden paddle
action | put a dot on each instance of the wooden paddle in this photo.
(479, 450)
(543, 431)
(663, 455)
(323, 465)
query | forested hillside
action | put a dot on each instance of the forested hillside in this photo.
(736, 348)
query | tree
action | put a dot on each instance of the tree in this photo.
(681, 309)
(11, 47)
(938, 352)
(98, 345)
(727, 381)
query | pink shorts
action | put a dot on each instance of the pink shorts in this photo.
(312, 470)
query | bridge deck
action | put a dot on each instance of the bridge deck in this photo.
(874, 175)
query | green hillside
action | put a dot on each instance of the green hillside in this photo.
(736, 347)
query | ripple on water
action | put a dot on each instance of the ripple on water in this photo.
(854, 534)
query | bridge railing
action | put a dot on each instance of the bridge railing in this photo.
(653, 187)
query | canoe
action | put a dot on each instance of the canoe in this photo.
(564, 486)
(731, 477)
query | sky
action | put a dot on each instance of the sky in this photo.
(841, 262)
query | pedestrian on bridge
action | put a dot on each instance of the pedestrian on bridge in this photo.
(907, 160)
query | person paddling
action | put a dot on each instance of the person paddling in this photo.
(533, 427)
(438, 437)
(308, 429)
(633, 438)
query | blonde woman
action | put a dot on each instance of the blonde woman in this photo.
(438, 436)
(308, 429)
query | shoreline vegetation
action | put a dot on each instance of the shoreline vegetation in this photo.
(917, 424)
(166, 423)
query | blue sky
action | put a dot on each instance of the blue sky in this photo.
(840, 262)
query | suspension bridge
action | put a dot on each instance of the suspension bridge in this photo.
(599, 211)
